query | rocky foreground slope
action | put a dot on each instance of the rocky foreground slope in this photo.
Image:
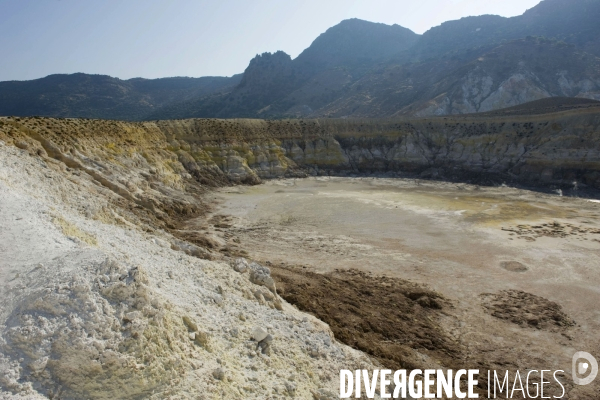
(100, 298)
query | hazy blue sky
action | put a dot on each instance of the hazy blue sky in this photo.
(152, 38)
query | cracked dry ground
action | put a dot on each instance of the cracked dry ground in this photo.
(426, 275)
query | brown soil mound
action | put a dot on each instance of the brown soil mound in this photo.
(384, 317)
(526, 309)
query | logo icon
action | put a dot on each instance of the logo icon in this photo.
(584, 364)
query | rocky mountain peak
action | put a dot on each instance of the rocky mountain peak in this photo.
(354, 42)
(265, 67)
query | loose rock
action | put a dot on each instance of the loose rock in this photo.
(259, 334)
(218, 374)
(260, 275)
(240, 265)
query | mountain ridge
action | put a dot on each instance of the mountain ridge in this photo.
(102, 96)
(364, 69)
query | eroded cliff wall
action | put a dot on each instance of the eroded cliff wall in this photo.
(560, 150)
(556, 150)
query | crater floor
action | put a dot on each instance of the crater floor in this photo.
(530, 252)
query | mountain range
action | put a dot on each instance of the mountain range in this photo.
(359, 69)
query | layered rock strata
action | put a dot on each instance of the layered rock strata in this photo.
(556, 150)
(560, 150)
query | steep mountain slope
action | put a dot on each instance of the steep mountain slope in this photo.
(275, 85)
(362, 69)
(101, 96)
(454, 37)
(573, 21)
(353, 44)
(511, 74)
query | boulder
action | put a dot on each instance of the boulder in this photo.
(259, 334)
(240, 265)
(260, 275)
